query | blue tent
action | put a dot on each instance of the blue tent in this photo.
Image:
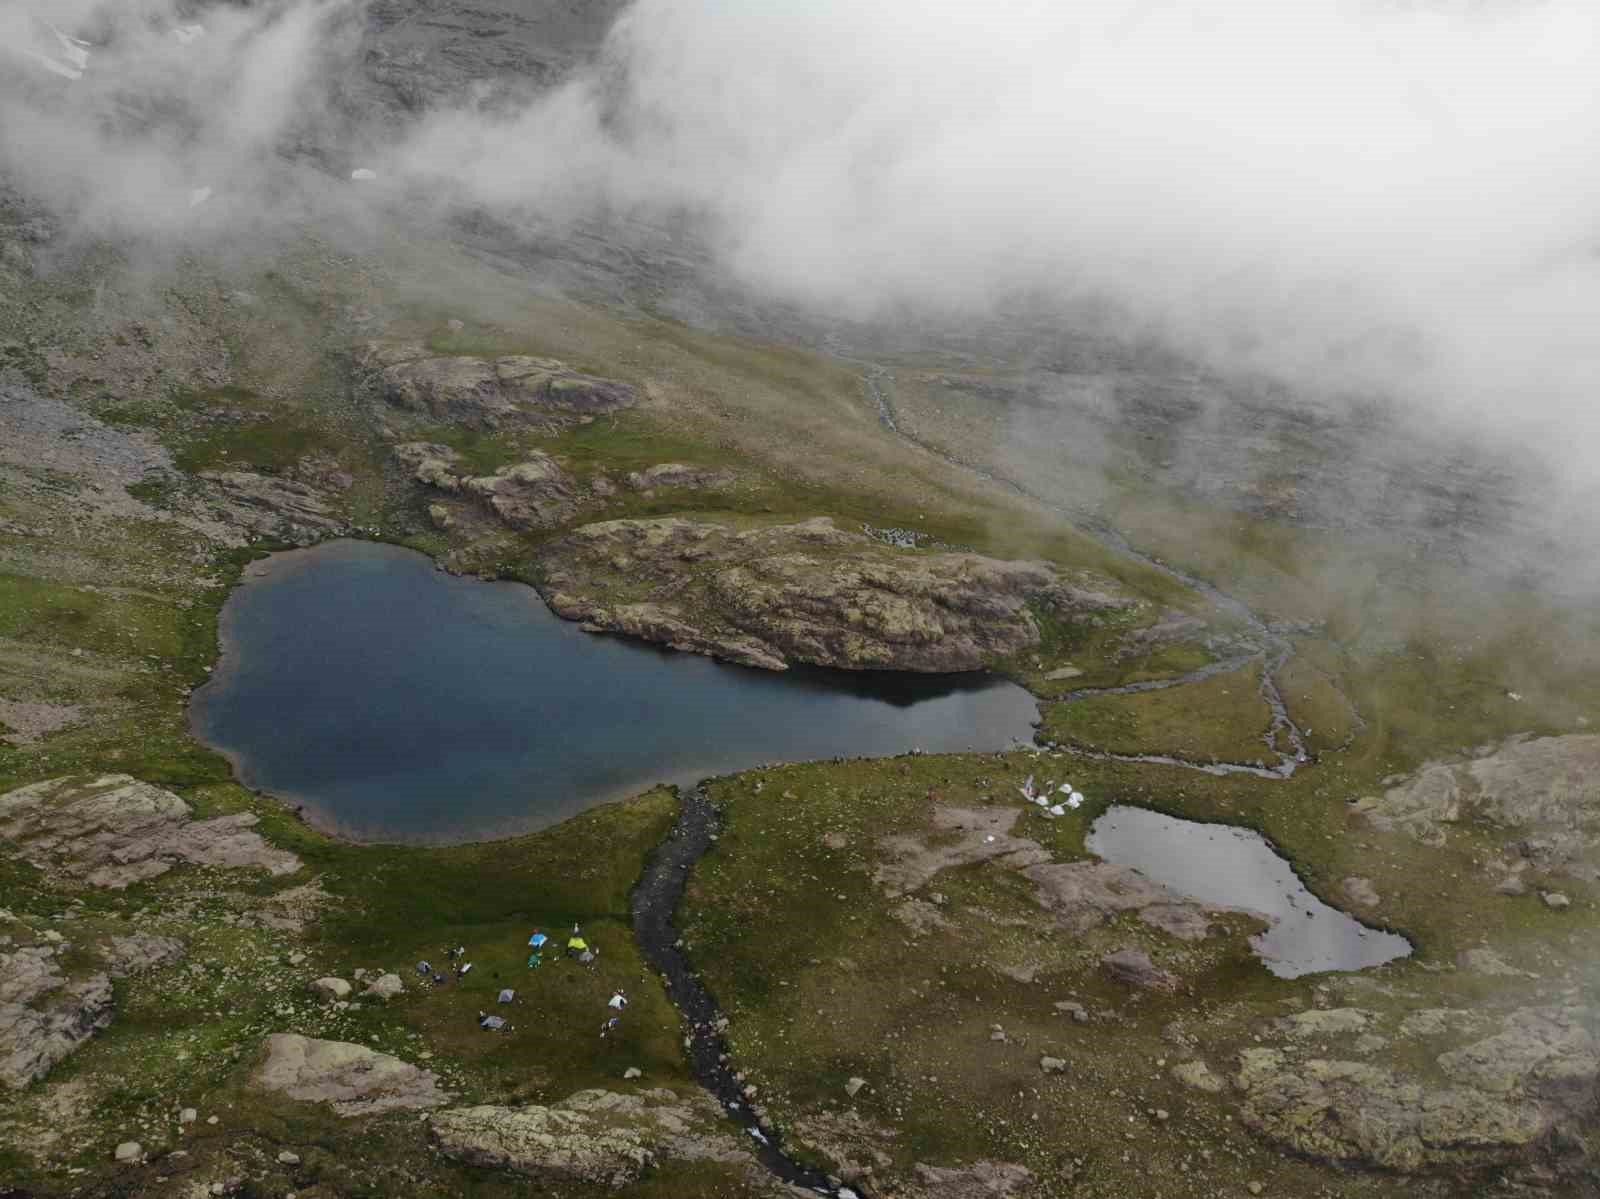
(537, 940)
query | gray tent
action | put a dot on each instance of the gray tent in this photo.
(507, 995)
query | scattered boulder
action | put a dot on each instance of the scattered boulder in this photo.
(288, 1157)
(188, 1116)
(1134, 968)
(1052, 1065)
(331, 988)
(1360, 892)
(385, 987)
(113, 830)
(853, 1086)
(129, 1151)
(354, 1080)
(633, 1072)
(811, 592)
(1555, 899)
(1198, 1076)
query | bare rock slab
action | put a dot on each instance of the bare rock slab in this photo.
(1134, 968)
(352, 1079)
(113, 830)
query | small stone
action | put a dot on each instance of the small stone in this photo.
(1162, 1114)
(1555, 899)
(997, 1035)
(129, 1151)
(188, 1116)
(218, 1189)
(1052, 1065)
(1255, 1188)
(289, 1158)
(211, 1119)
(632, 1072)
(852, 1087)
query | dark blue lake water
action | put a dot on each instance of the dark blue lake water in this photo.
(399, 703)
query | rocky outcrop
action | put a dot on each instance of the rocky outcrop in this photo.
(282, 508)
(1500, 1096)
(808, 592)
(532, 494)
(113, 830)
(352, 1079)
(596, 1137)
(1545, 790)
(43, 1015)
(47, 1011)
(1084, 894)
(981, 1180)
(960, 837)
(678, 474)
(488, 393)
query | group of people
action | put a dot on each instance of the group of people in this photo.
(461, 968)
(577, 948)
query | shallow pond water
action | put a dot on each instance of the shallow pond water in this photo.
(1225, 867)
(399, 703)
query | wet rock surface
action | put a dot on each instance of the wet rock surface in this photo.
(807, 592)
(488, 393)
(352, 1079)
(114, 830)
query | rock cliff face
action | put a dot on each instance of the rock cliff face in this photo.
(488, 393)
(532, 494)
(807, 592)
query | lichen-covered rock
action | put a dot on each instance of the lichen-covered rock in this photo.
(385, 987)
(808, 592)
(1545, 789)
(1504, 1094)
(598, 1137)
(113, 830)
(488, 393)
(354, 1080)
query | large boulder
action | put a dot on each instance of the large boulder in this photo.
(113, 830)
(532, 494)
(596, 1137)
(352, 1079)
(44, 1016)
(809, 592)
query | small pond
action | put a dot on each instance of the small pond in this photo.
(1224, 867)
(399, 703)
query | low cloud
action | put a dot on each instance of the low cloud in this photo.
(1371, 195)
